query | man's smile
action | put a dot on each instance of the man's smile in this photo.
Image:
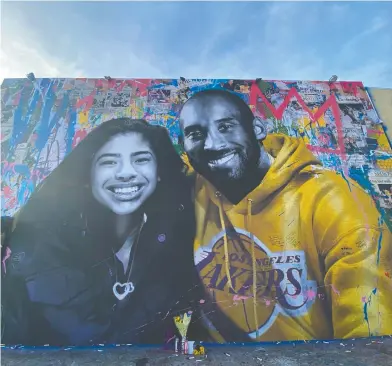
(222, 159)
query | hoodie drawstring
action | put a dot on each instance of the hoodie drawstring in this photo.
(254, 271)
(225, 241)
(226, 249)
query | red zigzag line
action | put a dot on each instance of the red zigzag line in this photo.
(293, 93)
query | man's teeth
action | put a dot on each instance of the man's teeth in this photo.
(221, 161)
(127, 190)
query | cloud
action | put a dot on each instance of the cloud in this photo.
(268, 47)
(277, 40)
(365, 56)
(337, 11)
(372, 74)
(377, 24)
(62, 42)
(22, 51)
(18, 58)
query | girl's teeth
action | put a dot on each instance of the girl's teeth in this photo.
(126, 190)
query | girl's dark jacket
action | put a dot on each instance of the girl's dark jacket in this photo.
(57, 283)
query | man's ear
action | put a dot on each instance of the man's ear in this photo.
(259, 128)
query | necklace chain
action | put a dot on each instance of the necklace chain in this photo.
(129, 287)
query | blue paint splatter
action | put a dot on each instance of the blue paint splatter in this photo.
(383, 157)
(380, 223)
(44, 128)
(365, 314)
(361, 177)
(71, 130)
(21, 122)
(365, 308)
(344, 177)
(22, 169)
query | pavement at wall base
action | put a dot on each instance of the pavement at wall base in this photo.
(358, 352)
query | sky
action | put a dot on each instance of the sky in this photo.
(244, 40)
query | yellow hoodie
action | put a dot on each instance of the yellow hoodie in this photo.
(305, 255)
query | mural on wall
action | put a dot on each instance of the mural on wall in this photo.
(263, 207)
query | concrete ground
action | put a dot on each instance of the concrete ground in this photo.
(377, 352)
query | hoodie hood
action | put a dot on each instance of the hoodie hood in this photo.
(274, 265)
(290, 157)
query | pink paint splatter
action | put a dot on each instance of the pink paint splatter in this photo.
(7, 255)
(267, 302)
(7, 191)
(363, 299)
(335, 290)
(239, 297)
(310, 294)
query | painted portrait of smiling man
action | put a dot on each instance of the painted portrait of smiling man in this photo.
(274, 227)
(221, 140)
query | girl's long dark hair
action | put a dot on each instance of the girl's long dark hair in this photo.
(64, 198)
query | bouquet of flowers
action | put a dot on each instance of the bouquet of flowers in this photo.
(182, 323)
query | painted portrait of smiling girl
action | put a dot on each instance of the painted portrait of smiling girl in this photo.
(104, 245)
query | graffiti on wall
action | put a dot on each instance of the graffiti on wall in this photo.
(264, 207)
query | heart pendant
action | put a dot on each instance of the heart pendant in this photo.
(128, 289)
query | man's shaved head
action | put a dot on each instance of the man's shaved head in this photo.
(213, 95)
(221, 138)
